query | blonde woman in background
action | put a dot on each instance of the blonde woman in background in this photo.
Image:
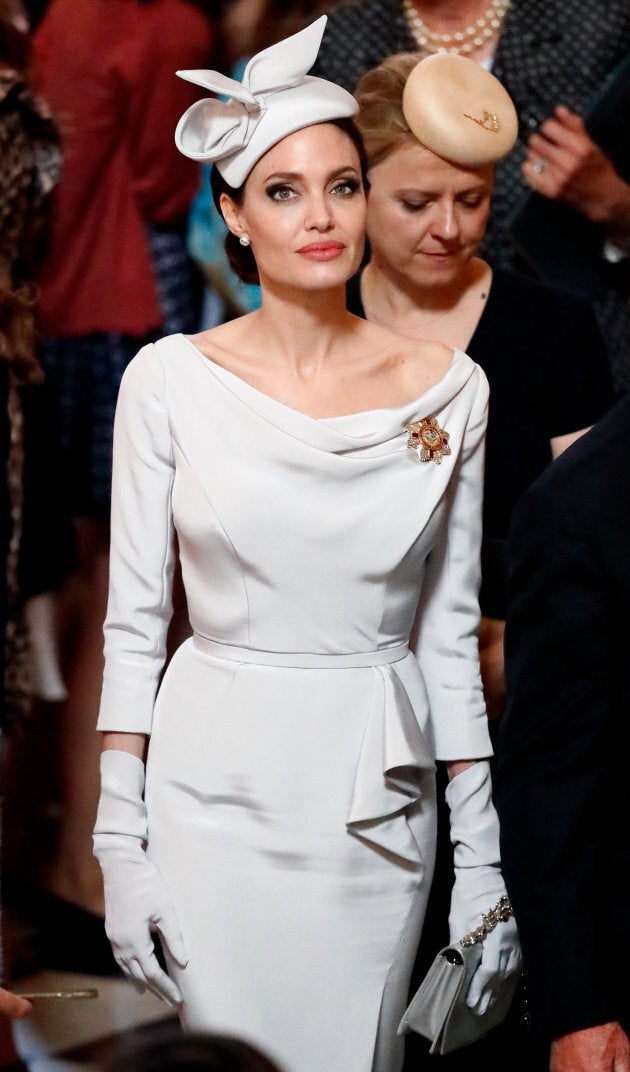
(553, 58)
(431, 172)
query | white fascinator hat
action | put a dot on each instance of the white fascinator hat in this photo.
(275, 98)
(459, 110)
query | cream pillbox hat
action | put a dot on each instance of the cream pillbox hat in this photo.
(275, 98)
(459, 110)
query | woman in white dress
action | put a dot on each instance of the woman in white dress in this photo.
(283, 845)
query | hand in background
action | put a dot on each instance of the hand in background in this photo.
(604, 1048)
(564, 163)
(13, 1006)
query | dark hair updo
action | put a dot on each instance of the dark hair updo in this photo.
(241, 258)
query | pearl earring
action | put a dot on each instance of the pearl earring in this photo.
(244, 240)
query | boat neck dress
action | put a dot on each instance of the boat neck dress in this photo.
(332, 585)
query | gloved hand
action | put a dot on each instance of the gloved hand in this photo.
(136, 900)
(478, 881)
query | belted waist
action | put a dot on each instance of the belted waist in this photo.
(393, 756)
(300, 660)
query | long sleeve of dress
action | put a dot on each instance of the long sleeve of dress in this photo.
(447, 623)
(142, 550)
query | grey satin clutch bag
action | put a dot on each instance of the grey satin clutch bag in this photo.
(439, 1011)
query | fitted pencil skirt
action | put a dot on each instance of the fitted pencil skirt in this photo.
(301, 929)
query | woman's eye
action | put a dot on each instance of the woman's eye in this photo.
(280, 193)
(346, 187)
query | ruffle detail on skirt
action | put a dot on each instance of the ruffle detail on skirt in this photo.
(393, 761)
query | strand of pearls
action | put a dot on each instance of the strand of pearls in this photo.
(463, 42)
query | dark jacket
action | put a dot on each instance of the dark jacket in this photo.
(561, 783)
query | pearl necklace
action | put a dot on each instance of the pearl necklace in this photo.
(462, 41)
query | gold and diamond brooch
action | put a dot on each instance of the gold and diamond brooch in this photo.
(428, 440)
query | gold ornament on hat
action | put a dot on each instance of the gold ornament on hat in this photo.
(451, 104)
(489, 122)
(428, 440)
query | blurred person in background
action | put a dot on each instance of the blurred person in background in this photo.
(553, 59)
(248, 26)
(29, 165)
(116, 274)
(30, 159)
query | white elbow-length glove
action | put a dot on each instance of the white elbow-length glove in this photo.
(478, 881)
(136, 900)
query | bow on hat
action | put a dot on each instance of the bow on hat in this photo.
(213, 129)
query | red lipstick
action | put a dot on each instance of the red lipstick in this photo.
(322, 251)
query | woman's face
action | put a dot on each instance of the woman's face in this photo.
(304, 210)
(426, 218)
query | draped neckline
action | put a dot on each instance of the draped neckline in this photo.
(366, 428)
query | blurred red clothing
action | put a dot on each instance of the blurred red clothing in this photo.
(107, 69)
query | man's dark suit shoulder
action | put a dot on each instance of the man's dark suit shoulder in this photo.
(563, 807)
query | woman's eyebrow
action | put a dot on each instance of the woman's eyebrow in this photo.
(297, 176)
